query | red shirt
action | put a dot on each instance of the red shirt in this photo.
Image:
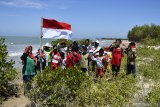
(72, 58)
(116, 56)
(76, 57)
(69, 60)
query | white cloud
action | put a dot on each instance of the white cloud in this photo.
(22, 3)
(40, 4)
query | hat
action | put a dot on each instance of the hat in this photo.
(47, 45)
(97, 41)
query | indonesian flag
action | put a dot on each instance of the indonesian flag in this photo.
(56, 30)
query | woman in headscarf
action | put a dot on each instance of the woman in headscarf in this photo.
(28, 71)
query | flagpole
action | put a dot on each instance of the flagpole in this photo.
(41, 45)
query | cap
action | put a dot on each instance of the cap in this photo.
(97, 41)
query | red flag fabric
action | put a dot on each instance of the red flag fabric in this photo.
(51, 28)
(53, 24)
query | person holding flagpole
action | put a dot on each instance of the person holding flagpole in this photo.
(51, 28)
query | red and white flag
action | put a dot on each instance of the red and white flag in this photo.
(56, 30)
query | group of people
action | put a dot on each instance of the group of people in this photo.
(88, 56)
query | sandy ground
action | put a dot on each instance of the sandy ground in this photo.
(21, 100)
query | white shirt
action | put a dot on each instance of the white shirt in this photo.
(96, 49)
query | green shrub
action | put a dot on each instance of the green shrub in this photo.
(149, 63)
(7, 73)
(107, 93)
(151, 42)
(154, 96)
(58, 87)
(71, 87)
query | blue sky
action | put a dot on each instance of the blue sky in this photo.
(89, 18)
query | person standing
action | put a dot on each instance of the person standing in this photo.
(98, 58)
(84, 60)
(47, 52)
(117, 54)
(107, 60)
(38, 60)
(63, 47)
(131, 56)
(56, 59)
(29, 70)
(63, 60)
(69, 59)
(95, 49)
(88, 45)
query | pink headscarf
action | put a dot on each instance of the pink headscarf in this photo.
(30, 54)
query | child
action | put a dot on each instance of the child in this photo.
(107, 59)
(90, 54)
(131, 56)
(38, 60)
(99, 65)
(63, 60)
(84, 59)
(117, 54)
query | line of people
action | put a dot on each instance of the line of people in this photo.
(89, 57)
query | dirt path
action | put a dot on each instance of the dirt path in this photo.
(145, 86)
(21, 100)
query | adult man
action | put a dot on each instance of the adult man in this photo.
(95, 49)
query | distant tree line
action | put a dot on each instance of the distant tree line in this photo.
(144, 33)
